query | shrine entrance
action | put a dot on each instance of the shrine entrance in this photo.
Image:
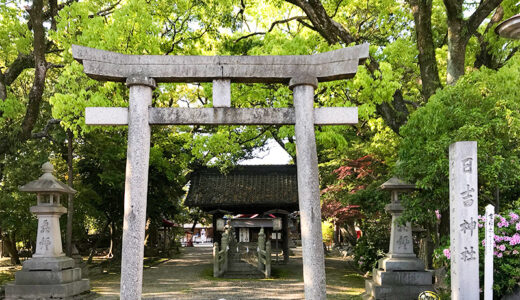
(141, 74)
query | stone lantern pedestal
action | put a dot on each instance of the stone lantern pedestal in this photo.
(49, 273)
(400, 275)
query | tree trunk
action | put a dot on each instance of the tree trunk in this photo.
(426, 250)
(110, 253)
(460, 31)
(40, 69)
(422, 14)
(96, 243)
(10, 244)
(456, 53)
(70, 204)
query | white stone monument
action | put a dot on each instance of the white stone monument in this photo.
(301, 73)
(49, 273)
(400, 275)
(463, 221)
(489, 249)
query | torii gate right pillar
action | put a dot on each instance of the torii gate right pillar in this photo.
(308, 187)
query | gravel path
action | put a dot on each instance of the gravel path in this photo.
(189, 277)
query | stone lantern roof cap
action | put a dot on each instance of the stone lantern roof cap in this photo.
(47, 183)
(395, 183)
(510, 28)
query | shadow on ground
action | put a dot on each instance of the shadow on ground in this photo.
(189, 277)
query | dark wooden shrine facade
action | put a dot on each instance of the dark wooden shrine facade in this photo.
(263, 190)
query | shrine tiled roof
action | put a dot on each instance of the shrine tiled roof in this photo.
(245, 189)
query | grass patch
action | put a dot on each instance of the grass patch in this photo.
(6, 276)
(283, 273)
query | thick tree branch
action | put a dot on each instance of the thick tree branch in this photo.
(483, 10)
(395, 113)
(3, 89)
(330, 30)
(40, 66)
(422, 13)
(485, 57)
(273, 25)
(45, 132)
(22, 62)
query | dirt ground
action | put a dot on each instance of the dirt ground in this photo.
(190, 277)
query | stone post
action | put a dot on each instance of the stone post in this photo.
(136, 186)
(463, 221)
(216, 260)
(261, 247)
(308, 187)
(285, 236)
(488, 256)
(267, 270)
(225, 247)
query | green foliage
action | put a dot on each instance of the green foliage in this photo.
(506, 256)
(483, 106)
(374, 243)
(327, 231)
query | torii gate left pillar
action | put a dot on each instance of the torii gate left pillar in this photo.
(141, 73)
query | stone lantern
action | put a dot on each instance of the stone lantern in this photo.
(510, 28)
(49, 273)
(400, 274)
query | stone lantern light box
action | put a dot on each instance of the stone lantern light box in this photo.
(49, 273)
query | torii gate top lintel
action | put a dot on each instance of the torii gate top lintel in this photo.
(112, 66)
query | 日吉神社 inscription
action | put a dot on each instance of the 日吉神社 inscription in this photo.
(142, 72)
(463, 221)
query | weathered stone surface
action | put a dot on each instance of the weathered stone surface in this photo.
(489, 249)
(221, 93)
(394, 263)
(381, 277)
(109, 116)
(48, 238)
(333, 65)
(54, 291)
(309, 194)
(393, 292)
(463, 221)
(49, 263)
(136, 190)
(401, 242)
(47, 183)
(26, 277)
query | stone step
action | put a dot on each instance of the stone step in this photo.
(393, 292)
(25, 277)
(69, 290)
(243, 274)
(381, 277)
(241, 266)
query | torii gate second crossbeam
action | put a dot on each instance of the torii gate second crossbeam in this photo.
(142, 72)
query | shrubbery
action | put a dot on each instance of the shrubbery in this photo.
(373, 244)
(506, 260)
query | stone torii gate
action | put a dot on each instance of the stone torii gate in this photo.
(142, 72)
